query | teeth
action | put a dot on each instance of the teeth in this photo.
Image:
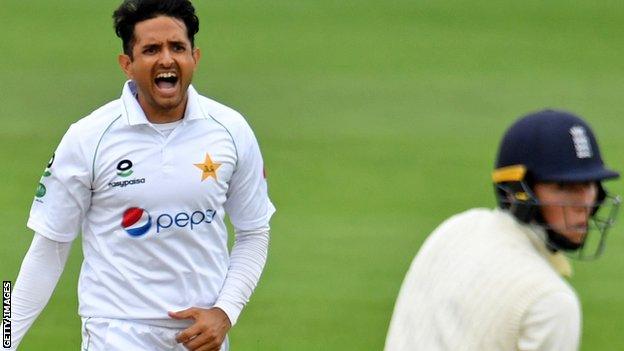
(166, 75)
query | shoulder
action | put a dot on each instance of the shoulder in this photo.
(471, 218)
(89, 128)
(233, 121)
(83, 136)
(474, 214)
(459, 232)
(495, 238)
(491, 223)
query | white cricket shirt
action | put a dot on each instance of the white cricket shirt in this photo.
(484, 281)
(151, 207)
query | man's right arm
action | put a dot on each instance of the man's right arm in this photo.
(41, 269)
(56, 216)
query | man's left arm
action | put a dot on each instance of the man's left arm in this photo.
(249, 209)
(247, 261)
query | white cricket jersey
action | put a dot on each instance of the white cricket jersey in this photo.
(484, 281)
(151, 207)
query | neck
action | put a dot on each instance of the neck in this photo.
(158, 114)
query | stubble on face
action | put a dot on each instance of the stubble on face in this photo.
(162, 65)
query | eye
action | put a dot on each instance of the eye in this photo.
(575, 187)
(179, 48)
(562, 186)
(150, 50)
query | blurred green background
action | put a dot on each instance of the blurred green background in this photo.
(377, 120)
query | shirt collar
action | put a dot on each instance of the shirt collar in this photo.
(134, 114)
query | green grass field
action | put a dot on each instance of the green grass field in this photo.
(377, 120)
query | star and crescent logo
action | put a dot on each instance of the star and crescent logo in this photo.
(208, 168)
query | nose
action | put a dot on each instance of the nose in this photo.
(166, 58)
(579, 214)
(588, 194)
(584, 194)
(585, 199)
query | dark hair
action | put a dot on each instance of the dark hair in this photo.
(131, 12)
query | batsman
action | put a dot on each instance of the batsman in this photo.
(492, 279)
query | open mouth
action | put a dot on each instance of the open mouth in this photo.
(166, 81)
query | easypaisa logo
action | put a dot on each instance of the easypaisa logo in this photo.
(137, 221)
(124, 169)
(125, 183)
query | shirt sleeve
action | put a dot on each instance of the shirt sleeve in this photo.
(248, 204)
(247, 261)
(41, 269)
(552, 323)
(64, 192)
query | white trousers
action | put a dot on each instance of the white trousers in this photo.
(103, 334)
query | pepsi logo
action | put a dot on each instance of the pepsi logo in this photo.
(136, 221)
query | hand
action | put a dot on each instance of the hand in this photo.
(209, 330)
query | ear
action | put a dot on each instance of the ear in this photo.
(196, 55)
(125, 62)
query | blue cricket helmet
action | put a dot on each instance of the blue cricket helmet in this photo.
(553, 146)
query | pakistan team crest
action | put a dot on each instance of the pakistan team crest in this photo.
(208, 168)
